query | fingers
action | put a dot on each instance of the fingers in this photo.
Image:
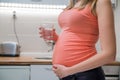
(56, 71)
(41, 35)
(41, 28)
(46, 33)
(59, 74)
(55, 67)
(41, 31)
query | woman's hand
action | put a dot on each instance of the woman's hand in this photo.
(49, 32)
(61, 71)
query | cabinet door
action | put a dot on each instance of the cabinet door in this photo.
(42, 72)
(14, 72)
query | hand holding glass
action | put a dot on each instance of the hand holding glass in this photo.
(47, 33)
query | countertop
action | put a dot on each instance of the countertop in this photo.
(32, 60)
(23, 61)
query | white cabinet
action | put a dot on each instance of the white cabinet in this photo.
(42, 72)
(111, 72)
(14, 73)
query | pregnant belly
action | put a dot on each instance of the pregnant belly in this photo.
(72, 49)
(70, 55)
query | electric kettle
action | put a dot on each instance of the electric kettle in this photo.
(9, 48)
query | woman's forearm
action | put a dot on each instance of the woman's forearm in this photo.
(93, 62)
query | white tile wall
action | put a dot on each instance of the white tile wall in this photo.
(27, 24)
(117, 28)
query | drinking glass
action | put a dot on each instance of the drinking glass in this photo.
(47, 29)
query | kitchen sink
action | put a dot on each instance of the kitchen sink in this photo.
(46, 58)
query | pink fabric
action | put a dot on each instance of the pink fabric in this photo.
(77, 39)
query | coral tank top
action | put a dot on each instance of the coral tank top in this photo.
(79, 33)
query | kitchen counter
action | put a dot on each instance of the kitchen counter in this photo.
(23, 61)
(33, 60)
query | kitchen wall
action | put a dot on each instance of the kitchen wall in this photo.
(52, 2)
(117, 28)
(27, 22)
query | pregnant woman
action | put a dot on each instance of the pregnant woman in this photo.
(82, 23)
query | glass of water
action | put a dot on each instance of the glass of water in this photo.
(47, 33)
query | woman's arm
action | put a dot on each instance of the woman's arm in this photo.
(107, 39)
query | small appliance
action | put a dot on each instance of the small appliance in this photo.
(9, 48)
